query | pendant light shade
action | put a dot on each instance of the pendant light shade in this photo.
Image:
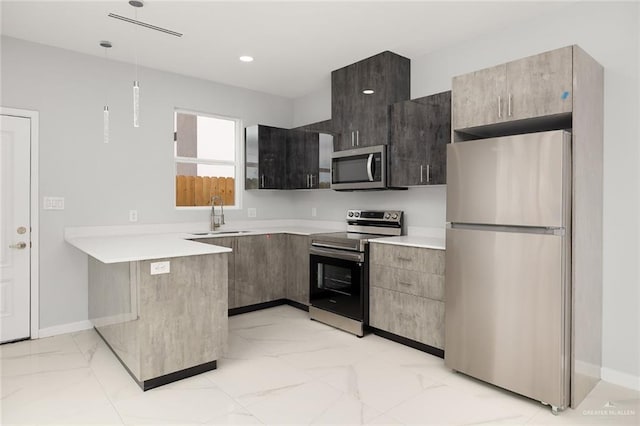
(105, 111)
(136, 104)
(105, 125)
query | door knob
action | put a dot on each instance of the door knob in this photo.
(21, 245)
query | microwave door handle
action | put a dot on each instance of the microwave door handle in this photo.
(370, 167)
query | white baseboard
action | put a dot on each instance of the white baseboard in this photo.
(64, 328)
(621, 379)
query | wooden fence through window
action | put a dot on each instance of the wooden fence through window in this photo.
(198, 190)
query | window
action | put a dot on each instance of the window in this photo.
(207, 151)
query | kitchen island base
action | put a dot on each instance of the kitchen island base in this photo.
(167, 378)
(162, 326)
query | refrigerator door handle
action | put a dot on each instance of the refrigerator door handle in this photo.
(508, 228)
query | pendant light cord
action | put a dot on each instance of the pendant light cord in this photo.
(135, 43)
(106, 92)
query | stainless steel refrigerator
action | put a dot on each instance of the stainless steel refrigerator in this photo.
(508, 263)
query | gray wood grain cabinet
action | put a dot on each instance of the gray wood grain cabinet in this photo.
(277, 158)
(532, 87)
(303, 159)
(360, 119)
(420, 129)
(231, 260)
(407, 292)
(265, 157)
(297, 268)
(260, 268)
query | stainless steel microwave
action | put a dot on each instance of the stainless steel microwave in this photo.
(360, 168)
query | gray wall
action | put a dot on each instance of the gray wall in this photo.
(609, 32)
(102, 182)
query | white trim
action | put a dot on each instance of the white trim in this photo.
(621, 379)
(34, 208)
(238, 164)
(72, 327)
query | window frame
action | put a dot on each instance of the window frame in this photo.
(238, 163)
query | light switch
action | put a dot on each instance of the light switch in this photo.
(251, 212)
(158, 268)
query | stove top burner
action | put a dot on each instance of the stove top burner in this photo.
(362, 226)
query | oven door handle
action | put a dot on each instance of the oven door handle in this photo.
(333, 246)
(337, 254)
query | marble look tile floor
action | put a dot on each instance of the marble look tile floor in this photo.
(280, 368)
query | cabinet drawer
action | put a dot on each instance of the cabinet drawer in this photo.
(423, 284)
(411, 258)
(415, 318)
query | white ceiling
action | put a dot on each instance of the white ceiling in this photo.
(296, 45)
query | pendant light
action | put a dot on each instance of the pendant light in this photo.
(105, 112)
(136, 84)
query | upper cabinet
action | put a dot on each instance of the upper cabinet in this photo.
(533, 87)
(302, 159)
(279, 158)
(360, 97)
(420, 129)
(265, 157)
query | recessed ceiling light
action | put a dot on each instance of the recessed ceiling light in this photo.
(246, 58)
(368, 91)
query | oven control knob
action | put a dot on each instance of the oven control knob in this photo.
(357, 214)
(350, 214)
(395, 216)
(387, 215)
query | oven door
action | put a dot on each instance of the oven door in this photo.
(339, 282)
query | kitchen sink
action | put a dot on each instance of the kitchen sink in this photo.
(202, 234)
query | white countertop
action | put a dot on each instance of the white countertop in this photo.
(112, 248)
(414, 241)
(128, 248)
(113, 244)
(228, 232)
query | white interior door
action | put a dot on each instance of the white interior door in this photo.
(15, 228)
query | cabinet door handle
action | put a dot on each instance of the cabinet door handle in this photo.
(499, 107)
(404, 283)
(509, 105)
(311, 176)
(262, 179)
(428, 173)
(420, 173)
(357, 137)
(405, 259)
(352, 139)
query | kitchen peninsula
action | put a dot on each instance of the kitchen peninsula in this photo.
(159, 302)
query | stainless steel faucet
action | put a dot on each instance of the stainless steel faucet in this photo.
(215, 224)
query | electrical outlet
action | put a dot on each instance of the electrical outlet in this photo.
(314, 212)
(251, 212)
(53, 203)
(160, 268)
(133, 215)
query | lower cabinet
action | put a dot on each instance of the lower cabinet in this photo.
(264, 268)
(260, 274)
(231, 243)
(297, 267)
(406, 295)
